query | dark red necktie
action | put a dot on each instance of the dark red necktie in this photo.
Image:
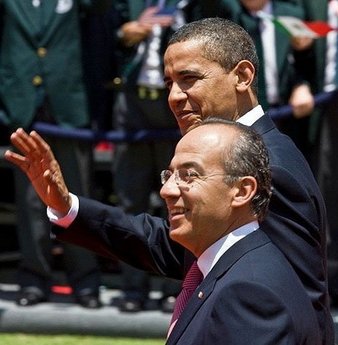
(192, 279)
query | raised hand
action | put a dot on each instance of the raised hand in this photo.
(37, 161)
(151, 16)
(135, 31)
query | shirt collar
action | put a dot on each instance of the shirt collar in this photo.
(251, 116)
(211, 255)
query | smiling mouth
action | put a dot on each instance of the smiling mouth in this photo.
(177, 212)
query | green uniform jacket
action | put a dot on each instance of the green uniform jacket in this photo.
(41, 48)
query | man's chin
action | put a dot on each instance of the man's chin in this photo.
(189, 122)
(174, 233)
(194, 125)
(177, 233)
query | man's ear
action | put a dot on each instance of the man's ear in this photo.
(245, 72)
(245, 190)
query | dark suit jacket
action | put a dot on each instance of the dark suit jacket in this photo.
(41, 48)
(251, 296)
(295, 223)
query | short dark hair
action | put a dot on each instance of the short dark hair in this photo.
(222, 41)
(247, 156)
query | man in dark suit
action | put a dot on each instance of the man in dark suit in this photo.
(210, 69)
(247, 284)
(198, 79)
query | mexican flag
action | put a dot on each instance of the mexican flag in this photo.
(298, 28)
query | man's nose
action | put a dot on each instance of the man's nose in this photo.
(170, 188)
(176, 94)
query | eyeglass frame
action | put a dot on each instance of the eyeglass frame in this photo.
(192, 176)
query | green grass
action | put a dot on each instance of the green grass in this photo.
(29, 339)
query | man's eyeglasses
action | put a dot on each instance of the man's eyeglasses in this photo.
(184, 176)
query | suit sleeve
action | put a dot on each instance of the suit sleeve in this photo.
(141, 241)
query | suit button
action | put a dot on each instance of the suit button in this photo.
(117, 81)
(37, 80)
(42, 52)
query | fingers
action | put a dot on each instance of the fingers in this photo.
(150, 16)
(36, 160)
(31, 145)
(19, 139)
(42, 146)
(25, 144)
(16, 159)
(35, 155)
(301, 43)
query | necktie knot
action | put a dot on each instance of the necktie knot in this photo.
(193, 278)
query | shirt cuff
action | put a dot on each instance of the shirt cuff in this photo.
(64, 221)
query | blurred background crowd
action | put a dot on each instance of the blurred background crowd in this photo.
(97, 65)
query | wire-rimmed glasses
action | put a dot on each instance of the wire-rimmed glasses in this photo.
(184, 176)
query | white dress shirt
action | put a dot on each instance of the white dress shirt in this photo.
(251, 116)
(211, 255)
(268, 38)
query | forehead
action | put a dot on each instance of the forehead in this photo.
(185, 54)
(184, 47)
(204, 146)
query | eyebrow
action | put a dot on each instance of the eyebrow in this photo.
(183, 72)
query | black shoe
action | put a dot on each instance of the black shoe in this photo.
(89, 301)
(130, 305)
(29, 297)
(168, 304)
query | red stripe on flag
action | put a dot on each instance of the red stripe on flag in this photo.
(319, 27)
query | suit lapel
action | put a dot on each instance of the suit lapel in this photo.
(38, 21)
(53, 12)
(28, 17)
(200, 296)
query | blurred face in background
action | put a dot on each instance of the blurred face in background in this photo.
(254, 5)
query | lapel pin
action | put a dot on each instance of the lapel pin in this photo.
(200, 295)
